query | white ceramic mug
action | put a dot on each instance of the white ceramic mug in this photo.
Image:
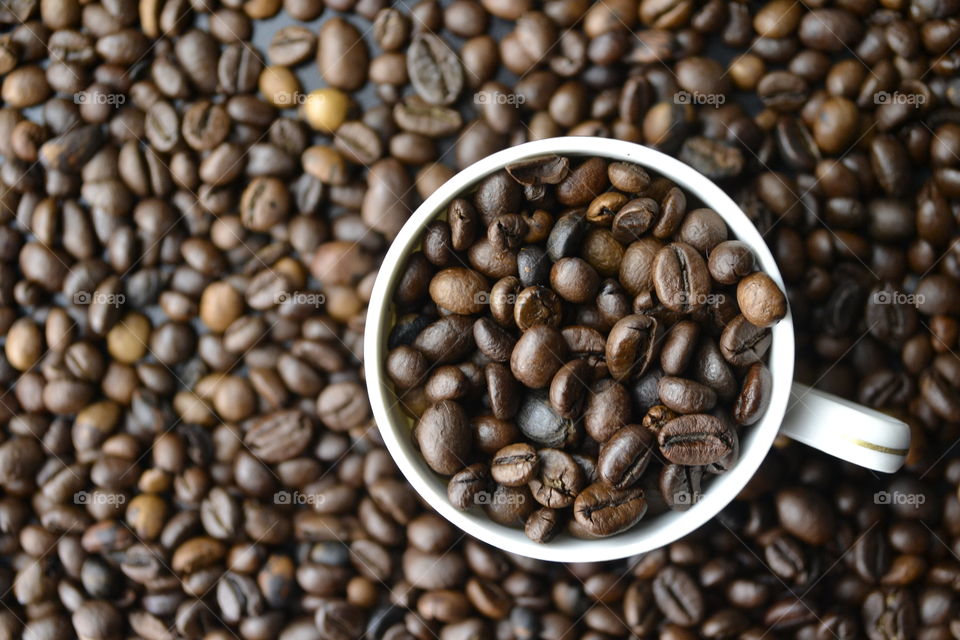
(844, 429)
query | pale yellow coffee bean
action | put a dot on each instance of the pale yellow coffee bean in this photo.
(24, 344)
(280, 87)
(220, 305)
(326, 109)
(127, 341)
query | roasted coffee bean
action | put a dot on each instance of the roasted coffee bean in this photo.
(630, 346)
(514, 465)
(558, 479)
(607, 409)
(680, 486)
(695, 439)
(760, 300)
(464, 486)
(755, 395)
(569, 388)
(540, 423)
(434, 69)
(567, 233)
(604, 511)
(679, 347)
(730, 261)
(443, 434)
(743, 343)
(685, 396)
(681, 278)
(537, 356)
(678, 596)
(625, 456)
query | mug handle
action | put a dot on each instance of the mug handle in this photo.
(845, 429)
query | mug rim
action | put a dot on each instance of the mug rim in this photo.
(659, 530)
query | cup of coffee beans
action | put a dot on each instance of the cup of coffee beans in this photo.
(581, 349)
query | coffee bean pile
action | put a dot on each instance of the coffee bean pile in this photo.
(194, 200)
(594, 331)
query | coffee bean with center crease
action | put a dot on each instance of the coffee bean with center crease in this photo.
(681, 278)
(695, 439)
(680, 485)
(604, 511)
(514, 465)
(280, 436)
(625, 456)
(678, 596)
(434, 69)
(743, 343)
(630, 346)
(464, 486)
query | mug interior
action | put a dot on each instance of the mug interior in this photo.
(395, 426)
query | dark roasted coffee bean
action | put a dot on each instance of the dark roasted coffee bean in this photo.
(678, 596)
(630, 346)
(681, 278)
(755, 395)
(604, 511)
(537, 356)
(533, 265)
(729, 261)
(514, 465)
(625, 456)
(540, 423)
(680, 486)
(685, 396)
(695, 439)
(569, 388)
(743, 343)
(443, 434)
(558, 479)
(542, 525)
(464, 486)
(567, 233)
